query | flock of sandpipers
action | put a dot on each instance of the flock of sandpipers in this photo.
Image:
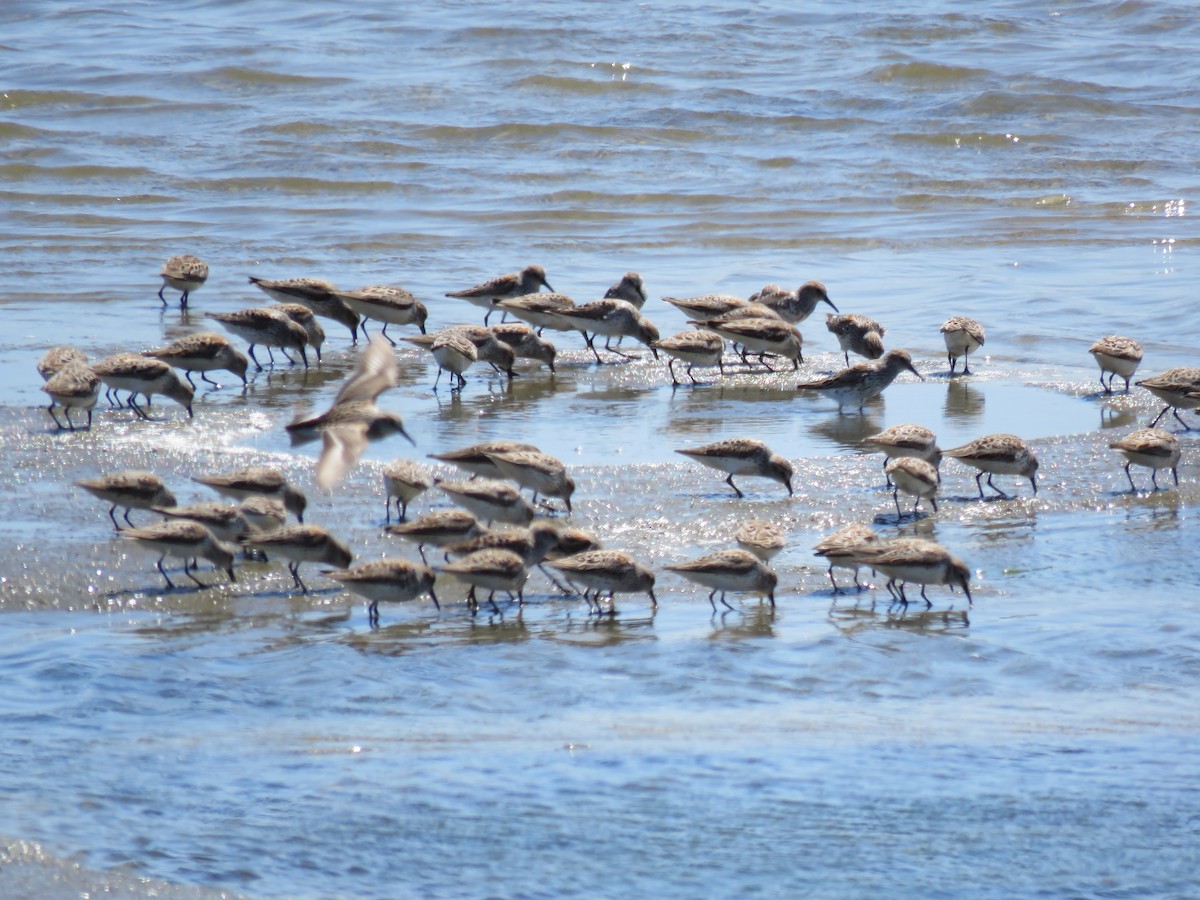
(761, 329)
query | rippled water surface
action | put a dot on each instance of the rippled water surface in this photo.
(1030, 165)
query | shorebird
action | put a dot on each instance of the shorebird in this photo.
(539, 310)
(793, 306)
(142, 375)
(254, 481)
(263, 513)
(493, 570)
(130, 490)
(962, 336)
(706, 306)
(864, 381)
(182, 273)
(997, 454)
(759, 335)
(915, 560)
(762, 538)
(906, 440)
(1178, 388)
(205, 351)
(225, 521)
(913, 476)
(488, 347)
(695, 348)
(504, 287)
(739, 571)
(630, 288)
(453, 353)
(490, 500)
(74, 386)
(743, 456)
(386, 304)
(267, 326)
(837, 550)
(437, 529)
(525, 343)
(476, 459)
(1150, 447)
(532, 544)
(610, 319)
(404, 480)
(300, 544)
(857, 333)
(1117, 357)
(537, 471)
(606, 571)
(184, 539)
(306, 319)
(57, 358)
(386, 581)
(317, 294)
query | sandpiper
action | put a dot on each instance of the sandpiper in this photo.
(267, 326)
(537, 471)
(224, 520)
(539, 310)
(706, 306)
(74, 386)
(997, 454)
(453, 353)
(857, 333)
(1151, 447)
(838, 550)
(56, 358)
(1118, 357)
(610, 319)
(205, 351)
(185, 539)
(263, 513)
(532, 544)
(405, 480)
(761, 336)
(182, 273)
(695, 348)
(490, 500)
(300, 544)
(386, 581)
(306, 319)
(572, 541)
(793, 306)
(492, 569)
(915, 560)
(475, 459)
(864, 381)
(130, 490)
(317, 294)
(762, 538)
(143, 375)
(1178, 388)
(525, 343)
(743, 456)
(504, 287)
(606, 571)
(257, 480)
(630, 288)
(386, 304)
(488, 347)
(962, 336)
(913, 476)
(437, 529)
(730, 570)
(906, 440)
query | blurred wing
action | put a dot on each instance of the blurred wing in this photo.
(375, 372)
(341, 448)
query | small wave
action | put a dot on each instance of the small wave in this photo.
(601, 85)
(25, 171)
(926, 73)
(75, 99)
(294, 185)
(248, 76)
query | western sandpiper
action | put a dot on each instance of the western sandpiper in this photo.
(743, 456)
(695, 348)
(386, 581)
(266, 326)
(184, 539)
(128, 490)
(257, 480)
(606, 571)
(1118, 357)
(913, 476)
(838, 550)
(857, 333)
(610, 319)
(539, 310)
(300, 544)
(1151, 447)
(57, 357)
(504, 287)
(488, 347)
(263, 513)
(962, 336)
(386, 304)
(864, 381)
(405, 480)
(997, 454)
(1178, 388)
(706, 306)
(532, 544)
(224, 520)
(761, 336)
(437, 529)
(317, 294)
(143, 375)
(900, 441)
(537, 471)
(572, 541)
(525, 343)
(629, 288)
(182, 273)
(793, 306)
(493, 570)
(74, 386)
(306, 319)
(453, 353)
(205, 351)
(475, 459)
(749, 311)
(490, 500)
(762, 538)
(918, 561)
(739, 571)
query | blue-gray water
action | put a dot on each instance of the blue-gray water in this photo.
(1030, 165)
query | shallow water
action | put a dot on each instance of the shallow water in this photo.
(1031, 167)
